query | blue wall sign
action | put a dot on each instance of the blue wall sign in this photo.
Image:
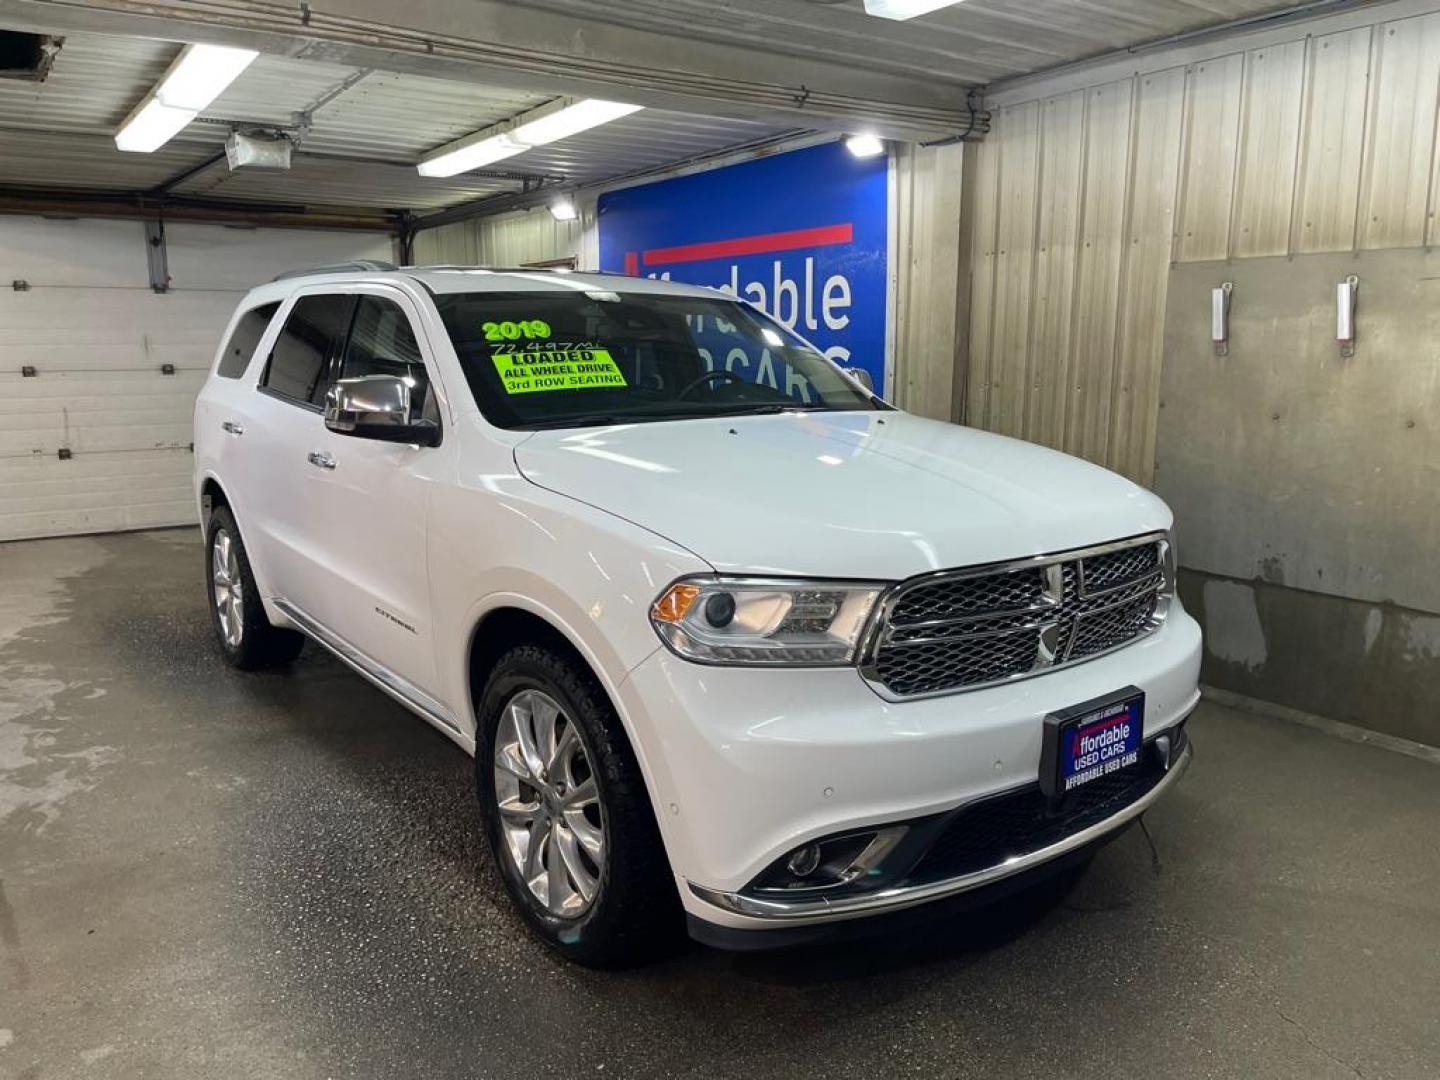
(800, 234)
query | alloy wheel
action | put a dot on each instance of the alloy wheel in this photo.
(229, 593)
(549, 804)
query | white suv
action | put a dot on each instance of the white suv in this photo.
(726, 633)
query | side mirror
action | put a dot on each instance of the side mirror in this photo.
(377, 407)
(860, 375)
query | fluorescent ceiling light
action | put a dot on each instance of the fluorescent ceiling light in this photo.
(571, 120)
(201, 73)
(904, 9)
(151, 126)
(196, 78)
(863, 146)
(471, 155)
(563, 210)
(549, 124)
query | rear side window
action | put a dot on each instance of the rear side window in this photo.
(244, 339)
(299, 365)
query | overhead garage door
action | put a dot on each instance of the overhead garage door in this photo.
(94, 434)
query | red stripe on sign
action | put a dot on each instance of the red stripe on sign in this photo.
(632, 263)
(751, 245)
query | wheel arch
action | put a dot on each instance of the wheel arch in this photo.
(510, 620)
(212, 495)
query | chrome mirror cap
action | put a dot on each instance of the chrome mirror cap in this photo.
(380, 400)
(377, 407)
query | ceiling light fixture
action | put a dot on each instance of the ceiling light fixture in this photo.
(558, 120)
(197, 77)
(863, 146)
(563, 209)
(904, 9)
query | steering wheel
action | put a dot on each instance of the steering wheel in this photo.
(695, 384)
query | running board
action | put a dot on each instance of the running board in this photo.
(397, 686)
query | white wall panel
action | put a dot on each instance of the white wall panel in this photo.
(1062, 137)
(1141, 334)
(927, 302)
(984, 209)
(1015, 267)
(1211, 151)
(1395, 182)
(1269, 139)
(1334, 142)
(1097, 282)
(98, 338)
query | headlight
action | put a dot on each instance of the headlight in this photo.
(764, 621)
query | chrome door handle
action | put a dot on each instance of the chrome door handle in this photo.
(320, 459)
(232, 427)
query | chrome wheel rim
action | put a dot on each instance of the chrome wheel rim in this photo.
(550, 820)
(229, 594)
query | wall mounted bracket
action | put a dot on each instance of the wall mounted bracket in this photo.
(156, 258)
(1345, 294)
(1220, 318)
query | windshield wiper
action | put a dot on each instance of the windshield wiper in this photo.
(576, 421)
(770, 408)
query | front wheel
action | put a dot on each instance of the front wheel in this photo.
(247, 639)
(567, 815)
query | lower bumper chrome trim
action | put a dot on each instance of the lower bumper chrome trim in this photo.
(904, 896)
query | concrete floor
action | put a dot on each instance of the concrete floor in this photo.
(205, 874)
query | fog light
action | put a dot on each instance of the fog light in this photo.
(804, 862)
(854, 858)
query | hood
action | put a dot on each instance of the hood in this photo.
(874, 495)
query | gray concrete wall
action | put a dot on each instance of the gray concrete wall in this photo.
(1373, 665)
(1306, 485)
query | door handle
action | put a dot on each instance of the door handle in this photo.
(232, 427)
(320, 459)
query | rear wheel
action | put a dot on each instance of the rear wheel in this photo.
(567, 814)
(247, 639)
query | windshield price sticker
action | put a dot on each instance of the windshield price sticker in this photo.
(538, 370)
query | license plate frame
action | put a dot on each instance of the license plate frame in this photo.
(1079, 745)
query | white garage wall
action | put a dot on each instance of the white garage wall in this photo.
(98, 336)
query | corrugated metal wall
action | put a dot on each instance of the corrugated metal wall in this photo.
(1319, 141)
(927, 268)
(516, 239)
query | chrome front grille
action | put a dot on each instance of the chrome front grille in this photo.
(959, 630)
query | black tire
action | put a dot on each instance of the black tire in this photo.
(258, 644)
(635, 914)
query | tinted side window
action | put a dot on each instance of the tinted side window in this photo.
(382, 343)
(246, 336)
(299, 362)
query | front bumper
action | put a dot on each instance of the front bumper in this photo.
(746, 765)
(899, 897)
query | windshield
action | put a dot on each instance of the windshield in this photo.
(562, 359)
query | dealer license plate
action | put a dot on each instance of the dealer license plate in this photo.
(1092, 740)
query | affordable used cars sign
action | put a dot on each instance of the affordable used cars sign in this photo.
(800, 234)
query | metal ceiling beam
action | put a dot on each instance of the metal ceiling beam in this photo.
(543, 51)
(112, 204)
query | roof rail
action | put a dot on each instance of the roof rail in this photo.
(358, 266)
